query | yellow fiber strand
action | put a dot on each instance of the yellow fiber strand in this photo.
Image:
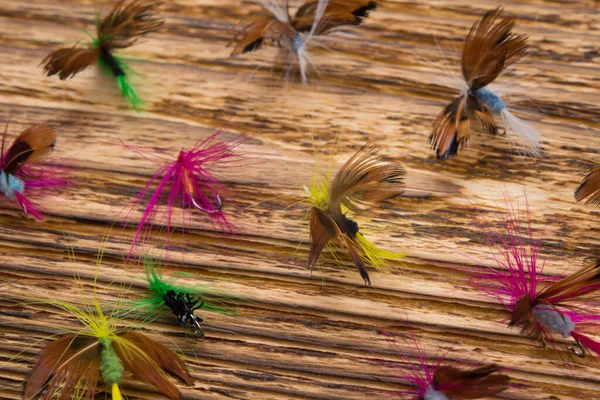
(116, 393)
(375, 256)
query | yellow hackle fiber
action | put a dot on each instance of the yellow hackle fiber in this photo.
(376, 256)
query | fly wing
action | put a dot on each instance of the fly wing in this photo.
(450, 129)
(364, 179)
(149, 362)
(472, 384)
(491, 47)
(590, 186)
(128, 21)
(32, 145)
(69, 61)
(322, 229)
(259, 30)
(483, 114)
(61, 365)
(582, 282)
(354, 248)
(338, 13)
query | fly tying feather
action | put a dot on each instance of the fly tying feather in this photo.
(128, 21)
(275, 27)
(364, 180)
(489, 49)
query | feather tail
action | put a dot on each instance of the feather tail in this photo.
(375, 256)
(527, 133)
(128, 92)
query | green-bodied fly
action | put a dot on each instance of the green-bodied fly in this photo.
(121, 28)
(164, 294)
(97, 357)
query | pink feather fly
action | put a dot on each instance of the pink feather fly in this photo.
(541, 306)
(23, 174)
(438, 380)
(185, 182)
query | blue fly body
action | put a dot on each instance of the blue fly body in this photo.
(9, 184)
(490, 99)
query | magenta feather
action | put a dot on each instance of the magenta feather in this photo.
(520, 272)
(186, 182)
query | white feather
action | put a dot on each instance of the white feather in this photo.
(277, 8)
(527, 133)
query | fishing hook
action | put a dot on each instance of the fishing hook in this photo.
(579, 351)
(213, 211)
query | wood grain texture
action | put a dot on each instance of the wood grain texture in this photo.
(300, 335)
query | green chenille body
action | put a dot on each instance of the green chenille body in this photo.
(151, 306)
(111, 367)
(124, 86)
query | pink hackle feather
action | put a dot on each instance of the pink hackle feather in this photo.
(520, 273)
(421, 375)
(40, 179)
(191, 169)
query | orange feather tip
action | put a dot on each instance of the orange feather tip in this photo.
(363, 181)
(489, 49)
(589, 187)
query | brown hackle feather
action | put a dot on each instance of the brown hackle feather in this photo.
(450, 129)
(364, 179)
(589, 186)
(491, 47)
(258, 31)
(68, 365)
(338, 13)
(322, 229)
(483, 114)
(31, 146)
(471, 384)
(150, 362)
(580, 283)
(355, 250)
(522, 317)
(128, 21)
(69, 61)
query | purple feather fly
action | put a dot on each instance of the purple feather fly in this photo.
(185, 182)
(23, 175)
(541, 306)
(437, 380)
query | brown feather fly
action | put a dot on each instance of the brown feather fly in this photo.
(275, 27)
(489, 49)
(128, 21)
(73, 365)
(362, 181)
(435, 379)
(589, 187)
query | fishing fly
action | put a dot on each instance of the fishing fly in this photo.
(186, 181)
(362, 181)
(275, 27)
(439, 380)
(589, 187)
(489, 49)
(166, 294)
(541, 306)
(128, 21)
(22, 171)
(73, 366)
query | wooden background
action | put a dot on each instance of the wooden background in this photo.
(299, 335)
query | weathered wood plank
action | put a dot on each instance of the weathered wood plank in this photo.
(303, 335)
